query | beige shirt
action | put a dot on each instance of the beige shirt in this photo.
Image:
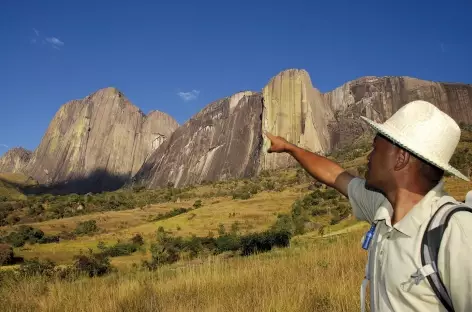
(398, 255)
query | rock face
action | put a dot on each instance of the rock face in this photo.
(318, 122)
(221, 141)
(225, 139)
(15, 160)
(101, 141)
(296, 111)
(380, 97)
(97, 143)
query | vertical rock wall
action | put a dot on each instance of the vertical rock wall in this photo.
(296, 111)
(222, 141)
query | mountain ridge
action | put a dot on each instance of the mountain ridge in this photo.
(288, 105)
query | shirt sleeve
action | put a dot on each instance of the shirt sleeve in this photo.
(454, 263)
(364, 202)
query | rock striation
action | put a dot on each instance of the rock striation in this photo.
(221, 141)
(100, 142)
(296, 111)
(380, 97)
(225, 140)
(97, 143)
(15, 160)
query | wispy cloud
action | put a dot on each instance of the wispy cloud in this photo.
(4, 145)
(189, 96)
(55, 42)
(35, 39)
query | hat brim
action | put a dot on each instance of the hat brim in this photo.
(403, 142)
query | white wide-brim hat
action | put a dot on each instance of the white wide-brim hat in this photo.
(424, 130)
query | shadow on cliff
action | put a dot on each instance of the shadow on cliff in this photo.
(97, 182)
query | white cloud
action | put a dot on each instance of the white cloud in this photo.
(4, 145)
(55, 42)
(189, 96)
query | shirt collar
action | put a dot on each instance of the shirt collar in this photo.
(412, 221)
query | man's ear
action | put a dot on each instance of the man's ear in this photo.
(403, 158)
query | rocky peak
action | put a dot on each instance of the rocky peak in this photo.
(15, 160)
(221, 141)
(98, 142)
(296, 110)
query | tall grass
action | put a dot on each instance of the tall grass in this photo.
(321, 275)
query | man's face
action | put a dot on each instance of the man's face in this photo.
(381, 163)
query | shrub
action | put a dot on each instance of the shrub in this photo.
(268, 185)
(164, 251)
(86, 227)
(137, 239)
(120, 249)
(92, 264)
(34, 267)
(28, 234)
(241, 195)
(265, 241)
(227, 242)
(174, 212)
(6, 254)
(194, 246)
(197, 204)
(283, 223)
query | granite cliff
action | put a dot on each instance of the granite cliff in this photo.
(97, 143)
(222, 141)
(296, 111)
(379, 97)
(15, 160)
(103, 140)
(333, 121)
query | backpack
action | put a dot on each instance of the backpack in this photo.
(431, 243)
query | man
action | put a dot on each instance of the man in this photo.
(402, 190)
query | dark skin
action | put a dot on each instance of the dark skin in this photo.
(392, 171)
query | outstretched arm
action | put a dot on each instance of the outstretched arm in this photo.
(319, 167)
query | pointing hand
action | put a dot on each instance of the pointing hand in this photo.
(278, 144)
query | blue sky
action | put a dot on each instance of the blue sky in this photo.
(56, 51)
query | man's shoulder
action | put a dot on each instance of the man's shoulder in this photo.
(363, 200)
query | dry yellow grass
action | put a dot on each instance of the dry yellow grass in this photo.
(17, 179)
(108, 221)
(254, 214)
(293, 279)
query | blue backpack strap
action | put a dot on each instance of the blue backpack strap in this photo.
(430, 249)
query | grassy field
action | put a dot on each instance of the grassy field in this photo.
(292, 279)
(255, 214)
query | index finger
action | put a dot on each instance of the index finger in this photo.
(268, 134)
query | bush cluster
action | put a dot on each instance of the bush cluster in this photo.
(168, 249)
(47, 206)
(86, 227)
(174, 212)
(121, 248)
(316, 203)
(27, 234)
